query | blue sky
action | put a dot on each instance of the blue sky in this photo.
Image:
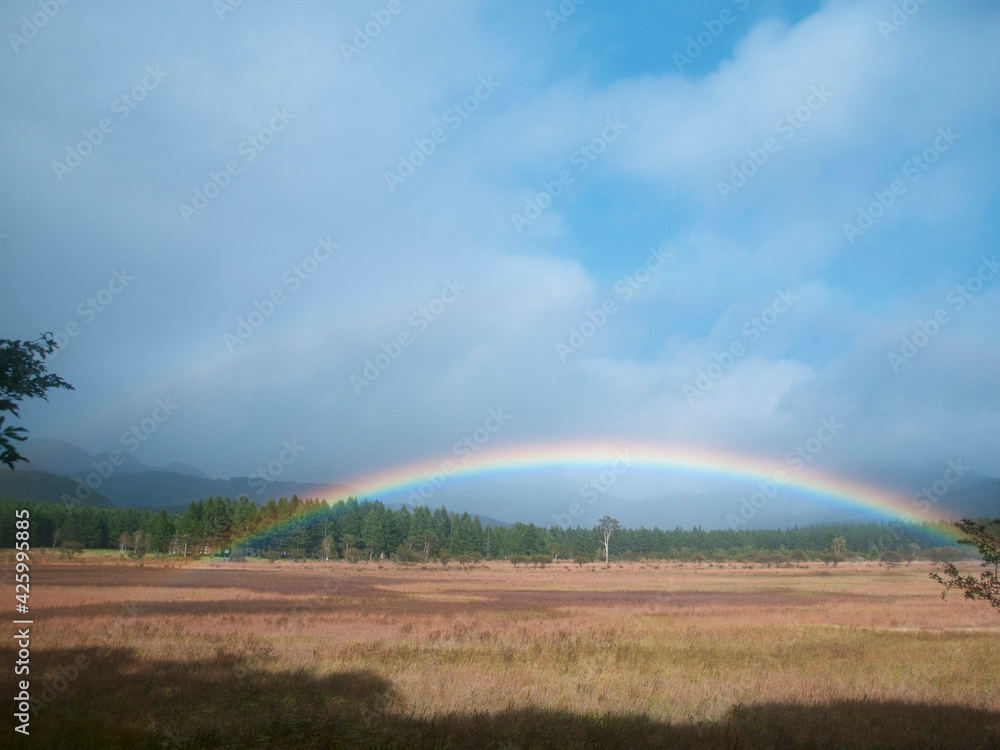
(831, 101)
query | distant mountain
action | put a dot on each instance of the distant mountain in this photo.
(132, 484)
(181, 468)
(56, 457)
(167, 489)
(60, 457)
(494, 522)
(722, 507)
(979, 499)
(42, 487)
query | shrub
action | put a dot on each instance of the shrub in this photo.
(890, 558)
(69, 548)
(945, 554)
(405, 554)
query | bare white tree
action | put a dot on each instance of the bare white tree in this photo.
(605, 528)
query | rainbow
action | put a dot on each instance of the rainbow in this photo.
(422, 478)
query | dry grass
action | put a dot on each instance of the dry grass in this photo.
(637, 655)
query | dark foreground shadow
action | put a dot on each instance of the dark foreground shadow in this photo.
(112, 698)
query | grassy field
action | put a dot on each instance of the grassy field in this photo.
(162, 654)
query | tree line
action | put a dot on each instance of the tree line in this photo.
(364, 529)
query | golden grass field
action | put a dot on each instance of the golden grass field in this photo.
(644, 654)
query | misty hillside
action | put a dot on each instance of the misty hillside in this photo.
(164, 489)
(42, 487)
(133, 484)
(979, 499)
(60, 457)
(156, 489)
(720, 507)
(136, 485)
